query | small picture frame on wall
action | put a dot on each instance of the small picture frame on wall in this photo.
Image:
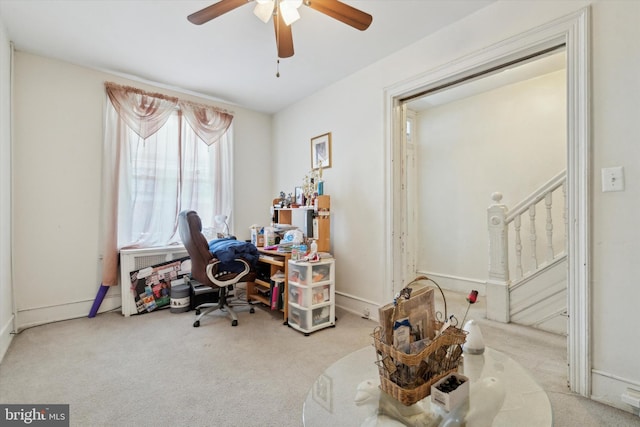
(321, 151)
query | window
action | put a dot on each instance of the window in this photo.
(161, 156)
(162, 175)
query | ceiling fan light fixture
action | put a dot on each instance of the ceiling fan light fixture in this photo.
(285, 13)
(264, 9)
(294, 4)
(289, 10)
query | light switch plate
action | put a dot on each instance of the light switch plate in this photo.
(613, 179)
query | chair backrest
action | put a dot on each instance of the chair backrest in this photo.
(190, 229)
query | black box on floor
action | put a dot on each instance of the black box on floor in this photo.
(201, 294)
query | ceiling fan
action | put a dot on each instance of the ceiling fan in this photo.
(284, 13)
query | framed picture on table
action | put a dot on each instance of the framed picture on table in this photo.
(299, 196)
(321, 151)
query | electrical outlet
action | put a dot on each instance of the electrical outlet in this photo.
(631, 397)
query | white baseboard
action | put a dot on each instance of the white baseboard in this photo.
(357, 306)
(55, 313)
(360, 306)
(6, 337)
(608, 389)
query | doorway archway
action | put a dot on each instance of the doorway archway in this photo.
(572, 32)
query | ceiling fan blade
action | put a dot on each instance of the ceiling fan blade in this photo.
(342, 12)
(284, 37)
(215, 10)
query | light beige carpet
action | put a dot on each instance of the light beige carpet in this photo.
(158, 370)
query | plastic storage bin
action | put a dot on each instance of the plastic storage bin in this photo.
(311, 297)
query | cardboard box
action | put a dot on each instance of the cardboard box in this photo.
(452, 399)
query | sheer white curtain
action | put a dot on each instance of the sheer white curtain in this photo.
(149, 187)
(156, 165)
(207, 184)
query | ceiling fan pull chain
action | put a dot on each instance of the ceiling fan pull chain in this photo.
(278, 69)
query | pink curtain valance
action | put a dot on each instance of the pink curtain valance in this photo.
(145, 113)
(207, 122)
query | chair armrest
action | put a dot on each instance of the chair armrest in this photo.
(234, 280)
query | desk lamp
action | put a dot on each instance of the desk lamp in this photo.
(222, 220)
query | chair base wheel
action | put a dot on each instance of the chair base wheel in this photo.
(196, 324)
(252, 310)
(197, 312)
(234, 323)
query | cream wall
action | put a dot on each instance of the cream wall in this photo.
(6, 294)
(512, 140)
(616, 236)
(353, 110)
(58, 133)
(56, 190)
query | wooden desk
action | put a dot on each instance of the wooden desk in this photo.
(276, 261)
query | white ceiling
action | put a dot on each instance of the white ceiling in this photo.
(231, 58)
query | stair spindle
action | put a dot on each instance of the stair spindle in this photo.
(518, 246)
(533, 237)
(547, 203)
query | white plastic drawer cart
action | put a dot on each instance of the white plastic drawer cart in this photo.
(311, 287)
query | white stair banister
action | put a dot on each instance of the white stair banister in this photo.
(498, 240)
(497, 286)
(499, 219)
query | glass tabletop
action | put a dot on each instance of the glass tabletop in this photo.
(503, 394)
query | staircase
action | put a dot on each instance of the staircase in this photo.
(527, 279)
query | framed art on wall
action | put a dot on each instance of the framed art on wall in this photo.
(321, 151)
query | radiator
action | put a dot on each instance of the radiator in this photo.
(135, 259)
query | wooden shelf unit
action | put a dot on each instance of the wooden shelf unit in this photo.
(283, 215)
(257, 289)
(276, 261)
(322, 221)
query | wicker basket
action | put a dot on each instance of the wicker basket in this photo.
(408, 377)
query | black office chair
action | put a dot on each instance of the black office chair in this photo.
(206, 269)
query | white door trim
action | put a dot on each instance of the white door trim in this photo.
(572, 31)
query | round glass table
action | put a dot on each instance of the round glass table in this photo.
(348, 394)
